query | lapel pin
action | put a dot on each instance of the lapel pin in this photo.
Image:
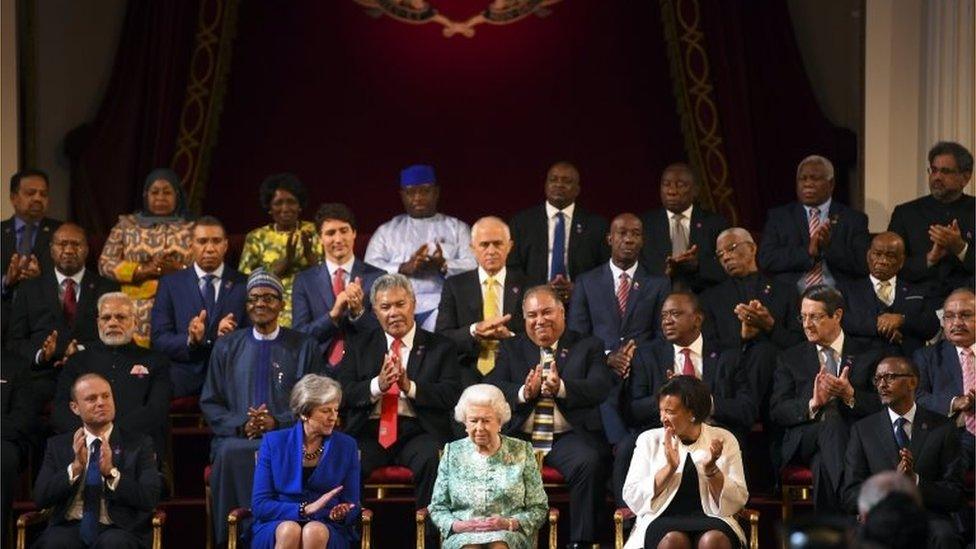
(515, 289)
(713, 354)
(579, 228)
(46, 229)
(698, 225)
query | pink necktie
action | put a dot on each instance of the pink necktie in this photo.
(623, 291)
(688, 369)
(815, 275)
(338, 345)
(968, 383)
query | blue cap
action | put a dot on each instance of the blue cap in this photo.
(418, 174)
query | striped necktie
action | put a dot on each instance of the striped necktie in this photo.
(623, 292)
(545, 407)
(815, 275)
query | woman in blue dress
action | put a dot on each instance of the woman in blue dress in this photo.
(306, 484)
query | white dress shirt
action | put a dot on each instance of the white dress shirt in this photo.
(696, 357)
(685, 223)
(77, 506)
(499, 292)
(615, 272)
(404, 407)
(218, 272)
(894, 284)
(910, 416)
(551, 212)
(61, 277)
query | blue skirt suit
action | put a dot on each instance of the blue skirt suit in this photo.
(279, 488)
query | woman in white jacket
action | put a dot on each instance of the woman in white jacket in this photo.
(685, 482)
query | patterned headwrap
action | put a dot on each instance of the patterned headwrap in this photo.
(260, 278)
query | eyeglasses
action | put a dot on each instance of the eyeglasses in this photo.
(952, 317)
(719, 254)
(944, 171)
(263, 298)
(814, 318)
(671, 314)
(888, 378)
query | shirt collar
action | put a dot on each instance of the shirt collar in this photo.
(615, 271)
(686, 213)
(875, 281)
(266, 337)
(567, 211)
(824, 208)
(909, 415)
(696, 346)
(407, 338)
(89, 437)
(972, 348)
(218, 272)
(61, 277)
(347, 266)
(837, 346)
(499, 276)
(19, 223)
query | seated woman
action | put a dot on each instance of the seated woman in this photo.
(488, 492)
(685, 482)
(306, 484)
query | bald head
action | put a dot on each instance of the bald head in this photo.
(886, 256)
(491, 242)
(69, 248)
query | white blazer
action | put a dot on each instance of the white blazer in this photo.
(649, 458)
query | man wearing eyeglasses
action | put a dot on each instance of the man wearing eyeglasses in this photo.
(820, 388)
(913, 441)
(247, 390)
(938, 228)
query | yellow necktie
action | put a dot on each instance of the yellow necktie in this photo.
(884, 291)
(486, 358)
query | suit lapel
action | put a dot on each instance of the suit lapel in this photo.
(694, 226)
(513, 294)
(609, 294)
(661, 228)
(920, 432)
(803, 222)
(324, 287)
(884, 434)
(50, 292)
(89, 286)
(473, 300)
(375, 353)
(416, 359)
(639, 285)
(227, 283)
(575, 228)
(951, 360)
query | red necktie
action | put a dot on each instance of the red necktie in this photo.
(688, 369)
(69, 304)
(338, 346)
(388, 409)
(623, 290)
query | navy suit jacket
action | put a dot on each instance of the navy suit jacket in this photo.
(581, 365)
(911, 300)
(312, 299)
(783, 249)
(42, 242)
(593, 309)
(723, 327)
(129, 505)
(796, 369)
(530, 231)
(935, 451)
(705, 228)
(178, 300)
(941, 376)
(722, 371)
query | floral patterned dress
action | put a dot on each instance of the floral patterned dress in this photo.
(507, 483)
(130, 244)
(264, 245)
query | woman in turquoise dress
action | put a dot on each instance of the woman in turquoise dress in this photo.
(488, 493)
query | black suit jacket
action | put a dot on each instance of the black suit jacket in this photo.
(722, 325)
(705, 228)
(461, 306)
(129, 506)
(141, 399)
(432, 366)
(37, 311)
(42, 242)
(581, 365)
(911, 300)
(19, 410)
(530, 231)
(783, 249)
(911, 220)
(723, 372)
(935, 450)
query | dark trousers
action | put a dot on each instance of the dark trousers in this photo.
(414, 449)
(822, 449)
(581, 458)
(66, 536)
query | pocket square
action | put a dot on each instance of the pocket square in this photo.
(139, 370)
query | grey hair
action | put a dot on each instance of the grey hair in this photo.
(313, 391)
(115, 296)
(880, 485)
(542, 289)
(745, 235)
(816, 158)
(388, 282)
(486, 219)
(483, 394)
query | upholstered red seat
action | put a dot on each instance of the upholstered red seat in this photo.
(393, 474)
(551, 476)
(185, 405)
(795, 475)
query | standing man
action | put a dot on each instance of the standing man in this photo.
(100, 480)
(422, 244)
(554, 380)
(26, 236)
(938, 228)
(330, 301)
(196, 306)
(913, 441)
(680, 237)
(483, 307)
(815, 240)
(821, 387)
(558, 240)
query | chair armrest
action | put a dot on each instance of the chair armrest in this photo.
(421, 518)
(553, 528)
(752, 516)
(33, 517)
(366, 520)
(236, 515)
(159, 518)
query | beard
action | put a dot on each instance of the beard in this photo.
(116, 339)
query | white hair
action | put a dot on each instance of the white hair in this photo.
(312, 391)
(880, 485)
(483, 394)
(816, 158)
(388, 282)
(745, 235)
(479, 224)
(115, 296)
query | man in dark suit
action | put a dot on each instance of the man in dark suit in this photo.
(330, 301)
(19, 420)
(915, 442)
(139, 378)
(820, 389)
(947, 382)
(100, 480)
(938, 229)
(26, 236)
(53, 315)
(480, 308)
(399, 384)
(554, 380)
(582, 243)
(680, 237)
(196, 306)
(816, 240)
(885, 307)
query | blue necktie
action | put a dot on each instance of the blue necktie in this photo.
(558, 265)
(209, 296)
(901, 437)
(91, 496)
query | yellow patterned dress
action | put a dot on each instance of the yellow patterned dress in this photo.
(130, 244)
(264, 245)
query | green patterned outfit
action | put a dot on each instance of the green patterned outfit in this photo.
(507, 483)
